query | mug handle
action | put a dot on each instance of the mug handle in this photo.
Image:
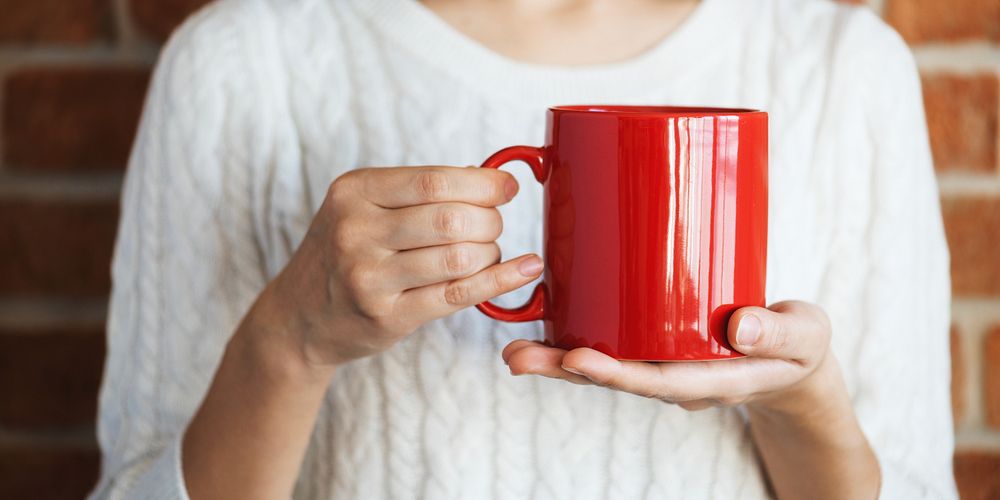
(534, 309)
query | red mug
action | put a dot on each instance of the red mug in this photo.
(655, 228)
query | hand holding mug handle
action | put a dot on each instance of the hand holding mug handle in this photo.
(534, 309)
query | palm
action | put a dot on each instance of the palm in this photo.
(772, 364)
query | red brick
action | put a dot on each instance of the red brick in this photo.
(972, 224)
(977, 473)
(958, 381)
(56, 247)
(932, 20)
(47, 473)
(72, 118)
(158, 18)
(991, 382)
(49, 378)
(71, 22)
(962, 120)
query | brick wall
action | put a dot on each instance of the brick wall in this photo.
(72, 78)
(957, 45)
(73, 75)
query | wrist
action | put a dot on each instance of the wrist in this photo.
(812, 395)
(818, 406)
(812, 427)
(270, 342)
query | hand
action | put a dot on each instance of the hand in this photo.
(389, 250)
(785, 346)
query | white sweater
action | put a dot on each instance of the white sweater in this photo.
(257, 105)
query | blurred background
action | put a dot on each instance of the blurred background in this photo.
(73, 74)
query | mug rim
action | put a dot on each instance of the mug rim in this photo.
(651, 110)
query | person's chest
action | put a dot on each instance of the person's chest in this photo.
(383, 107)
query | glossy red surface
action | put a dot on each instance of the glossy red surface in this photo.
(655, 228)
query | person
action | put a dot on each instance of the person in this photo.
(300, 246)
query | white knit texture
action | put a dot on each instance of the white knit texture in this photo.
(257, 105)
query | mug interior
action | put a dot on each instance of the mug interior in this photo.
(652, 110)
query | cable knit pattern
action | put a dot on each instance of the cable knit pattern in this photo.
(257, 105)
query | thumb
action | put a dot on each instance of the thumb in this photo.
(790, 330)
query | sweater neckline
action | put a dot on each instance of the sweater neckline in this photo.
(422, 32)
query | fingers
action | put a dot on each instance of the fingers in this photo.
(791, 330)
(692, 385)
(426, 266)
(526, 357)
(728, 382)
(440, 299)
(644, 379)
(698, 404)
(439, 224)
(408, 186)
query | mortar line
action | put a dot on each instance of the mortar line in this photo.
(31, 314)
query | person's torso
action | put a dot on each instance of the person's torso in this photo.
(438, 415)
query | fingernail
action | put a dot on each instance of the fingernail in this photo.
(510, 188)
(575, 372)
(530, 267)
(748, 330)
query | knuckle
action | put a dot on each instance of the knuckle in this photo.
(360, 280)
(649, 393)
(664, 392)
(457, 293)
(458, 260)
(782, 340)
(495, 253)
(378, 310)
(451, 223)
(498, 281)
(342, 187)
(343, 235)
(496, 223)
(728, 401)
(664, 395)
(432, 185)
(626, 383)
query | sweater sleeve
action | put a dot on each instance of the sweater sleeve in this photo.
(187, 263)
(902, 375)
